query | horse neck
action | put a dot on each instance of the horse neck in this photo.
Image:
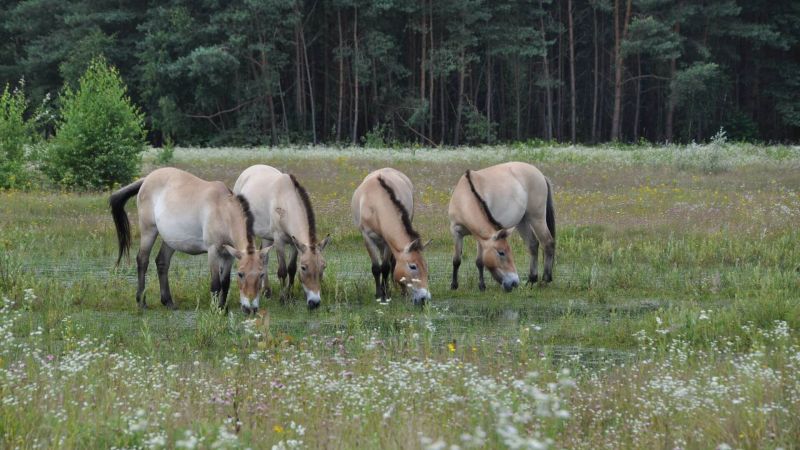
(395, 236)
(297, 225)
(237, 226)
(480, 226)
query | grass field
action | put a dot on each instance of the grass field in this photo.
(672, 321)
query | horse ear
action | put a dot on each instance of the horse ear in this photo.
(503, 234)
(265, 251)
(298, 245)
(413, 245)
(324, 242)
(233, 251)
(425, 245)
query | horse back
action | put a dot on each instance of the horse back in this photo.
(373, 210)
(181, 206)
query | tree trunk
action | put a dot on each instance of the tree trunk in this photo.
(560, 85)
(422, 79)
(596, 74)
(619, 35)
(431, 97)
(671, 101)
(571, 73)
(310, 86)
(638, 97)
(488, 94)
(460, 107)
(442, 110)
(518, 99)
(299, 91)
(341, 78)
(548, 125)
(354, 137)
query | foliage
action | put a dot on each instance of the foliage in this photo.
(166, 153)
(15, 133)
(100, 137)
(268, 72)
(478, 128)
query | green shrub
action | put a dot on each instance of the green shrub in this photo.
(15, 132)
(167, 152)
(100, 138)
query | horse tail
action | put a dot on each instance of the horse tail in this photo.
(117, 202)
(550, 215)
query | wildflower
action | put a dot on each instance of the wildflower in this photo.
(278, 429)
(452, 347)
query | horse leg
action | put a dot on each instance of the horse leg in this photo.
(458, 240)
(280, 252)
(225, 279)
(162, 266)
(526, 232)
(267, 290)
(479, 265)
(292, 267)
(549, 243)
(216, 283)
(375, 257)
(148, 238)
(386, 267)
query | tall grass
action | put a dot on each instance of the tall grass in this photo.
(672, 321)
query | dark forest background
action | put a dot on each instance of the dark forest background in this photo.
(428, 71)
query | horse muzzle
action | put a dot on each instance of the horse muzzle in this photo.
(313, 299)
(510, 281)
(420, 296)
(248, 307)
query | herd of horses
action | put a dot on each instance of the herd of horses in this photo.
(196, 216)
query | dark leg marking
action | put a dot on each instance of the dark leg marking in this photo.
(162, 266)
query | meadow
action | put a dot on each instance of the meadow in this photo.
(673, 320)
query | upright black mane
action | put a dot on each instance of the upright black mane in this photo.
(485, 207)
(412, 233)
(312, 222)
(248, 219)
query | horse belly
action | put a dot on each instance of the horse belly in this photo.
(183, 233)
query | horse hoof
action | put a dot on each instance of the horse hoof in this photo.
(171, 306)
(482, 287)
(454, 286)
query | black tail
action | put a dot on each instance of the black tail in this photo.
(117, 203)
(551, 212)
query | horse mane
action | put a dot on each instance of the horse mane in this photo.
(404, 217)
(312, 222)
(484, 206)
(248, 219)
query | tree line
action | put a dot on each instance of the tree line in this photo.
(443, 72)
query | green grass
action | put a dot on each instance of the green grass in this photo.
(672, 320)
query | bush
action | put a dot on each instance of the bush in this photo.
(15, 132)
(100, 138)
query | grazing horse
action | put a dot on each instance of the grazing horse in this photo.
(284, 216)
(383, 206)
(192, 216)
(489, 204)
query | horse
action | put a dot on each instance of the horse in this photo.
(383, 206)
(489, 204)
(192, 216)
(284, 216)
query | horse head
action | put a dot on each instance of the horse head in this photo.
(312, 266)
(497, 258)
(411, 271)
